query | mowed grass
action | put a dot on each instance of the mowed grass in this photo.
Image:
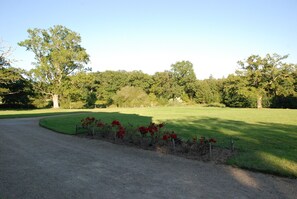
(37, 112)
(266, 139)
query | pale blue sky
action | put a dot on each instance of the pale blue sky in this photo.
(150, 35)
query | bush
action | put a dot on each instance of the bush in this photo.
(72, 105)
(284, 102)
(130, 96)
(42, 102)
(219, 105)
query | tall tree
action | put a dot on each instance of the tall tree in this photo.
(139, 79)
(5, 52)
(208, 91)
(108, 83)
(262, 74)
(15, 89)
(164, 86)
(235, 92)
(58, 53)
(6, 75)
(185, 77)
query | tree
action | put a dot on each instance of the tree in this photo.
(263, 75)
(5, 52)
(139, 79)
(15, 89)
(164, 86)
(185, 77)
(79, 91)
(235, 92)
(58, 53)
(108, 83)
(208, 91)
(6, 75)
(19, 91)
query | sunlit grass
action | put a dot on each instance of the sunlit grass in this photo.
(37, 112)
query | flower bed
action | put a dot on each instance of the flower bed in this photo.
(155, 137)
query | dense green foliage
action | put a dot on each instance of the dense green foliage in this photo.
(15, 89)
(266, 139)
(130, 96)
(58, 54)
(267, 82)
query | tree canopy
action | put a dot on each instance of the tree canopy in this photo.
(58, 53)
(15, 89)
(266, 76)
(185, 77)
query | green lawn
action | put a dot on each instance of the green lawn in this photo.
(266, 139)
(37, 112)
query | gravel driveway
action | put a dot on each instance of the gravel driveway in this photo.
(38, 163)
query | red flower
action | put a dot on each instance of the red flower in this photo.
(212, 140)
(87, 121)
(165, 137)
(173, 136)
(100, 124)
(121, 132)
(143, 130)
(115, 123)
(90, 118)
(152, 128)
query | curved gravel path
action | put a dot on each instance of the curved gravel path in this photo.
(38, 163)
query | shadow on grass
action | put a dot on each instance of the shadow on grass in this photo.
(248, 184)
(266, 147)
(66, 124)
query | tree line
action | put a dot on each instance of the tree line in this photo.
(60, 78)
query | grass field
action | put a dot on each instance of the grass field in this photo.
(37, 112)
(266, 139)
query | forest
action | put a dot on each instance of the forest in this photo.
(60, 78)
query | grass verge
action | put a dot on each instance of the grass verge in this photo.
(4, 114)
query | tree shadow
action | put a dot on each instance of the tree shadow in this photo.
(67, 125)
(249, 142)
(266, 147)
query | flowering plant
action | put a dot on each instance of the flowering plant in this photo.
(157, 137)
(168, 136)
(100, 124)
(115, 123)
(120, 133)
(87, 121)
(152, 128)
(203, 140)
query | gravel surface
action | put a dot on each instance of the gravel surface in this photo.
(38, 163)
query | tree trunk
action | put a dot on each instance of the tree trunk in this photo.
(259, 102)
(56, 100)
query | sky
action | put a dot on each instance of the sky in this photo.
(151, 35)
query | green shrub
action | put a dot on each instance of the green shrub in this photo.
(219, 105)
(130, 96)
